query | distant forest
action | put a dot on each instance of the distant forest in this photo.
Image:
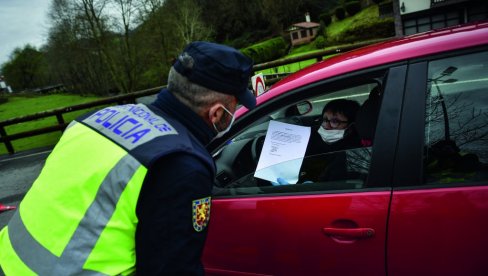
(107, 47)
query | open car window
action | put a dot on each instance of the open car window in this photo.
(344, 170)
(236, 161)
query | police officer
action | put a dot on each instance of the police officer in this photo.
(127, 188)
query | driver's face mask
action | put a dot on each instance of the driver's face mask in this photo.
(221, 133)
(331, 135)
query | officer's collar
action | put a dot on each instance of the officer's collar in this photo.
(170, 105)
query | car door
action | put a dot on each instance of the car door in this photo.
(319, 228)
(439, 211)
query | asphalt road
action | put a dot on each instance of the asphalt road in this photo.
(17, 173)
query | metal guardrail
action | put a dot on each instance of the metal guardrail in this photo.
(131, 97)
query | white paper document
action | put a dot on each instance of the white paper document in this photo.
(283, 151)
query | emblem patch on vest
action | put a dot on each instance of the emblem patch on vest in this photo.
(201, 213)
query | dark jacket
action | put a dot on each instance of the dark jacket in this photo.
(166, 240)
(325, 162)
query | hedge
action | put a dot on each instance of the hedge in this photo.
(320, 42)
(368, 30)
(266, 51)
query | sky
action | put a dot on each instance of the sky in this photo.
(22, 22)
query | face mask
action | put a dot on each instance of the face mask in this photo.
(331, 135)
(221, 133)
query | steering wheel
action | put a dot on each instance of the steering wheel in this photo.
(256, 147)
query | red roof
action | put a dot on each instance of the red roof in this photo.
(306, 25)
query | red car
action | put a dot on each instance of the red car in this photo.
(413, 198)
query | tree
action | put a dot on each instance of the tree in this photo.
(188, 23)
(73, 54)
(25, 68)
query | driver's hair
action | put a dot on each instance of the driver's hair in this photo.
(196, 97)
(346, 107)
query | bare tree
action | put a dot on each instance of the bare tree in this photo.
(124, 22)
(188, 23)
(93, 11)
(72, 53)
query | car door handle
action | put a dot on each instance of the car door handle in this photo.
(356, 233)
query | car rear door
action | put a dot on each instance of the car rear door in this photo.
(438, 222)
(311, 229)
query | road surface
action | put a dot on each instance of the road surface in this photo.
(17, 173)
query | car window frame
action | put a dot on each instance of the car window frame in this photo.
(387, 127)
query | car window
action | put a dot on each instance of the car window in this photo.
(456, 132)
(343, 170)
(340, 165)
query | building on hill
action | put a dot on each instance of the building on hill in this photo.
(4, 88)
(303, 32)
(423, 15)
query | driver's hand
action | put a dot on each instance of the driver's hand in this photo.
(279, 181)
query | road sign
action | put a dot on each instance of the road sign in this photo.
(258, 84)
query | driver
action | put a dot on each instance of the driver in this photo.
(335, 133)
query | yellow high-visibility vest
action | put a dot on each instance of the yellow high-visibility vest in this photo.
(79, 217)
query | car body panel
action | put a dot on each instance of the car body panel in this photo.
(268, 235)
(438, 231)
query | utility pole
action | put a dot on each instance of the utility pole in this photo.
(398, 18)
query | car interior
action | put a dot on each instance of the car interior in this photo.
(236, 162)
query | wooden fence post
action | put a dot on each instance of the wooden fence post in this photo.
(6, 141)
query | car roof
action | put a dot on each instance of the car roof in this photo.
(408, 47)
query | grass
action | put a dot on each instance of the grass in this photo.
(334, 31)
(25, 105)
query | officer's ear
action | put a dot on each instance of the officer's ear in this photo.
(215, 113)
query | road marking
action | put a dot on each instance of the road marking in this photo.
(29, 155)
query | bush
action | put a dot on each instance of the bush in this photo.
(340, 13)
(370, 29)
(352, 7)
(325, 18)
(320, 42)
(266, 51)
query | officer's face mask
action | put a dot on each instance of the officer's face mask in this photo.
(331, 135)
(221, 133)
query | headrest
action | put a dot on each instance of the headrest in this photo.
(367, 116)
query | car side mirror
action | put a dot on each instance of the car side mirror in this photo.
(304, 107)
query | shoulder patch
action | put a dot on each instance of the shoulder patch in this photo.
(201, 213)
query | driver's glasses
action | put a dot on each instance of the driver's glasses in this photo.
(334, 122)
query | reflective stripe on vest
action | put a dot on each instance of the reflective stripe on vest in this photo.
(42, 261)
